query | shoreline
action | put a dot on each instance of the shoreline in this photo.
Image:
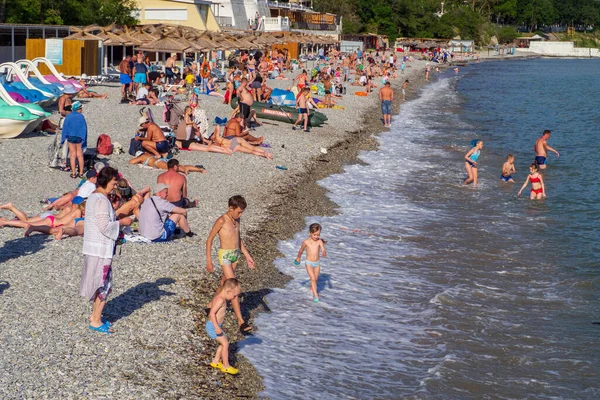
(283, 222)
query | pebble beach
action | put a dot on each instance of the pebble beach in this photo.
(160, 349)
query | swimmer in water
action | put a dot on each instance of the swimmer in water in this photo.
(538, 190)
(508, 168)
(541, 147)
(471, 161)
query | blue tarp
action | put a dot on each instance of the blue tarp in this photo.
(283, 97)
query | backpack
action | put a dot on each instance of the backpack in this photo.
(104, 145)
(135, 146)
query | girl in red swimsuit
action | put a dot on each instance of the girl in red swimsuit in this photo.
(538, 190)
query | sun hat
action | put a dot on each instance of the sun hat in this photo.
(143, 120)
(160, 187)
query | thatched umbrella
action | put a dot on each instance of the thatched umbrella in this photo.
(166, 44)
(139, 34)
(82, 34)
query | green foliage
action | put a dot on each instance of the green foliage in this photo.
(507, 34)
(70, 12)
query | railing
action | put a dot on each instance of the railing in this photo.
(276, 24)
(224, 21)
(314, 27)
(297, 7)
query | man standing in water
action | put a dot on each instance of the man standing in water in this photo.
(541, 147)
(386, 96)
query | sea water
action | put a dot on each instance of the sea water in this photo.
(434, 290)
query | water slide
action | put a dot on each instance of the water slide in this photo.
(11, 70)
(55, 76)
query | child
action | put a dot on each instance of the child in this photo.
(508, 168)
(471, 161)
(228, 228)
(302, 105)
(313, 245)
(214, 326)
(327, 86)
(538, 190)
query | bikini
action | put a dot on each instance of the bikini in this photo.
(536, 180)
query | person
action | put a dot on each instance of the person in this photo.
(538, 190)
(101, 231)
(302, 105)
(145, 96)
(234, 129)
(177, 183)
(238, 144)
(227, 226)
(315, 247)
(65, 101)
(386, 96)
(148, 160)
(541, 147)
(211, 88)
(140, 72)
(169, 65)
(214, 326)
(124, 77)
(427, 70)
(159, 218)
(89, 94)
(75, 133)
(327, 86)
(471, 161)
(154, 141)
(404, 86)
(508, 168)
(89, 186)
(402, 67)
(67, 217)
(302, 78)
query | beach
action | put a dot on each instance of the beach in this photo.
(160, 349)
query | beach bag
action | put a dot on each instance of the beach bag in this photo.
(134, 147)
(104, 145)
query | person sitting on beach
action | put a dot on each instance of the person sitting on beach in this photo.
(145, 96)
(214, 326)
(128, 201)
(212, 89)
(159, 218)
(154, 141)
(177, 183)
(89, 94)
(508, 168)
(66, 218)
(65, 101)
(234, 129)
(538, 189)
(238, 145)
(315, 247)
(151, 161)
(266, 92)
(471, 161)
(227, 226)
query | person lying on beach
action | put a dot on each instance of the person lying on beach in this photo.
(214, 326)
(227, 226)
(508, 168)
(238, 145)
(177, 183)
(89, 94)
(148, 160)
(315, 247)
(471, 162)
(234, 128)
(68, 219)
(57, 232)
(538, 189)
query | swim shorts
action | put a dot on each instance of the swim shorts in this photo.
(210, 330)
(303, 111)
(245, 110)
(327, 91)
(139, 77)
(386, 107)
(169, 230)
(314, 264)
(162, 147)
(506, 178)
(540, 160)
(124, 79)
(145, 100)
(182, 202)
(228, 257)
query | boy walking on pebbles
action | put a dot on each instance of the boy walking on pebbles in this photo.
(315, 247)
(227, 227)
(230, 290)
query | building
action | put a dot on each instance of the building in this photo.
(195, 13)
(275, 16)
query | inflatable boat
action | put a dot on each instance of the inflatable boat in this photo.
(283, 113)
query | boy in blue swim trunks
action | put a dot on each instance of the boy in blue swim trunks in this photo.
(230, 290)
(314, 246)
(508, 168)
(227, 227)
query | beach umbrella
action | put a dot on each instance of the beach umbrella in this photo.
(81, 34)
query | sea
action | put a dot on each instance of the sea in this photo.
(436, 290)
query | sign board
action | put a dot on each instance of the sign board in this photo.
(348, 46)
(54, 51)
